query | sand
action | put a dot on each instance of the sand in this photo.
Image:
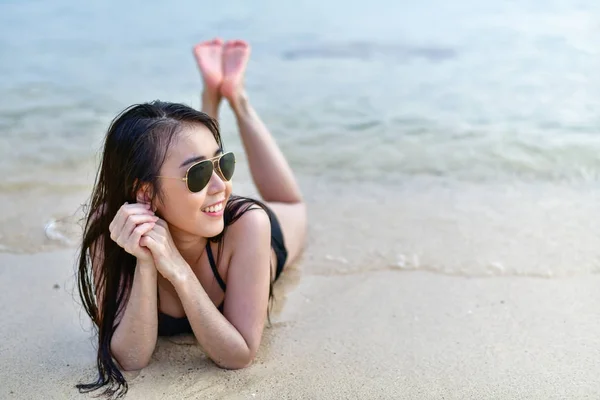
(378, 335)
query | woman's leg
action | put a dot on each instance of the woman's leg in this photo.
(270, 170)
(210, 62)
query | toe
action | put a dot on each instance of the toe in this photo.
(240, 43)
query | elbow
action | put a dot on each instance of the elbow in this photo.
(241, 364)
(131, 365)
(129, 362)
(235, 365)
(240, 361)
(134, 367)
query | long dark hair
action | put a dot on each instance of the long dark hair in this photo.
(135, 148)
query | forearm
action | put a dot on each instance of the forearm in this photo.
(135, 338)
(270, 170)
(218, 337)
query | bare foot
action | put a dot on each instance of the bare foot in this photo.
(210, 62)
(235, 58)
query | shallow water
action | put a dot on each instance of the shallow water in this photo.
(460, 138)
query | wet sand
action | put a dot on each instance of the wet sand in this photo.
(374, 334)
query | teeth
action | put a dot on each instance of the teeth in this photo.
(215, 208)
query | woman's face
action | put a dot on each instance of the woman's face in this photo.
(200, 213)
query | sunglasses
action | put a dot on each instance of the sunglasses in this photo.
(198, 175)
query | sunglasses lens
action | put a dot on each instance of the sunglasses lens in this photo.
(227, 165)
(199, 175)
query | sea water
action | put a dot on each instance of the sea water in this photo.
(455, 137)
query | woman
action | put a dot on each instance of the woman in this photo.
(167, 248)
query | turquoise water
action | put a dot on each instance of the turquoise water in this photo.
(482, 91)
(391, 100)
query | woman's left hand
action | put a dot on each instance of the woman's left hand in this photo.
(167, 258)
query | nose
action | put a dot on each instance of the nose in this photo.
(216, 184)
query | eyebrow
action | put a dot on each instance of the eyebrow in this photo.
(198, 158)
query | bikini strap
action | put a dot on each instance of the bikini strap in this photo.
(213, 266)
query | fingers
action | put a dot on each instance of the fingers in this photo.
(162, 223)
(149, 242)
(134, 241)
(157, 237)
(134, 220)
(122, 214)
(128, 216)
(130, 225)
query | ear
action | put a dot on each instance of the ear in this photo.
(144, 195)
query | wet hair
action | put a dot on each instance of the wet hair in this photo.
(135, 148)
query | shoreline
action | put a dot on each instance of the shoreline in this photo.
(454, 228)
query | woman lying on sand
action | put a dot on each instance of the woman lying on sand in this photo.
(167, 247)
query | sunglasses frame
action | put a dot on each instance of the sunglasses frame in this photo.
(215, 168)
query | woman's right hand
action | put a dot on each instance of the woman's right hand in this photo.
(129, 224)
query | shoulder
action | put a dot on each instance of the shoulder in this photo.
(253, 224)
(248, 230)
(249, 242)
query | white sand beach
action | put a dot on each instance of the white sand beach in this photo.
(382, 334)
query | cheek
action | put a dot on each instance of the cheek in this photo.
(180, 208)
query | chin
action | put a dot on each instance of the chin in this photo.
(213, 229)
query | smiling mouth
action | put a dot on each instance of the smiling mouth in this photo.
(215, 208)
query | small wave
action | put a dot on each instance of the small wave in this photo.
(52, 230)
(43, 186)
(368, 50)
(493, 269)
